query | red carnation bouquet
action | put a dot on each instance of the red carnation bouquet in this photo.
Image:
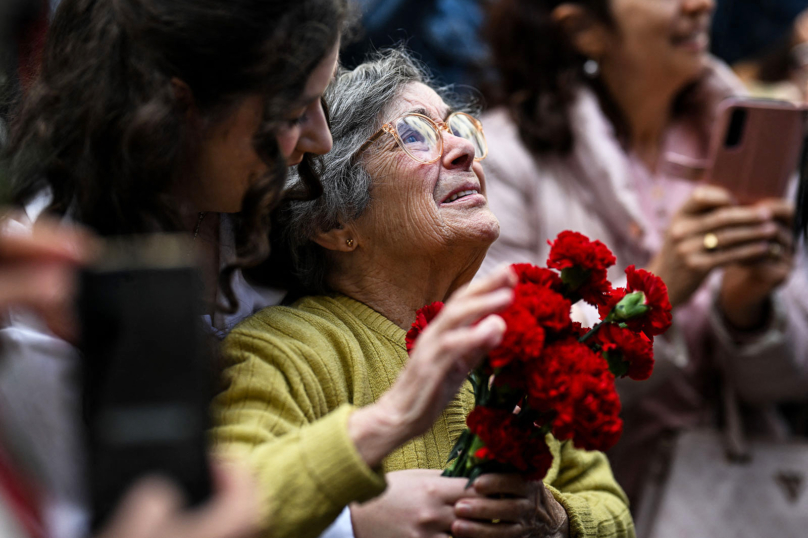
(550, 374)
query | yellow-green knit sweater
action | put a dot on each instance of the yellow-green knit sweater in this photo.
(296, 373)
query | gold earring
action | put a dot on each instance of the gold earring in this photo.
(349, 242)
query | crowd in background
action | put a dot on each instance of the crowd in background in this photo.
(270, 135)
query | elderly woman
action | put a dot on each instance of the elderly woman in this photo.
(403, 221)
(604, 104)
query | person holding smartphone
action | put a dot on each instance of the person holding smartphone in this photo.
(606, 106)
(153, 116)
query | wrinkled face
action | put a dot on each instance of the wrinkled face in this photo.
(664, 39)
(415, 208)
(229, 163)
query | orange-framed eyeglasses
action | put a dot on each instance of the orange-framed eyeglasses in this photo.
(421, 137)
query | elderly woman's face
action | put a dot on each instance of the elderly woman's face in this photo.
(415, 207)
(667, 39)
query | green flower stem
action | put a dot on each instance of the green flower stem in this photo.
(594, 330)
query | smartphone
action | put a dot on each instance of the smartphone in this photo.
(148, 379)
(756, 147)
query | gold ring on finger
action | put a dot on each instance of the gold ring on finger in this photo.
(710, 241)
(775, 250)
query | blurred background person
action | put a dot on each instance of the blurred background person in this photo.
(766, 43)
(185, 122)
(38, 273)
(596, 97)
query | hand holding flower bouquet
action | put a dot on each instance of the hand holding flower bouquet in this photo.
(551, 375)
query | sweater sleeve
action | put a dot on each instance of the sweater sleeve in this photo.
(772, 365)
(595, 504)
(273, 415)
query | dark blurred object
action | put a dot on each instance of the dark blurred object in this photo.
(147, 376)
(15, 15)
(744, 29)
(444, 34)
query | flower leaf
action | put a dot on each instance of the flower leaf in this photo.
(476, 471)
(575, 277)
(617, 365)
(459, 445)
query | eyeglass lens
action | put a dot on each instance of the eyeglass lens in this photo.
(420, 138)
(465, 127)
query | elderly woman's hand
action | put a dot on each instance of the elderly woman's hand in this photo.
(746, 288)
(418, 503)
(509, 506)
(453, 343)
(712, 231)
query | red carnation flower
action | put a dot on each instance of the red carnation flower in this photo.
(578, 330)
(561, 385)
(523, 339)
(583, 264)
(496, 429)
(549, 379)
(597, 424)
(633, 352)
(484, 454)
(531, 274)
(550, 309)
(422, 318)
(574, 385)
(535, 311)
(658, 319)
(539, 459)
(509, 441)
(571, 249)
(615, 296)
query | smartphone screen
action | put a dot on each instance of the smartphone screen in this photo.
(147, 377)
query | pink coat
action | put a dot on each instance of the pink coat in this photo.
(604, 193)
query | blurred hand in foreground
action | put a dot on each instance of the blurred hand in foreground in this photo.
(154, 508)
(38, 271)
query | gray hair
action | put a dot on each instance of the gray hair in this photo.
(357, 102)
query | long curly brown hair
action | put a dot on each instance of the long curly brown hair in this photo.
(539, 68)
(540, 73)
(104, 131)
